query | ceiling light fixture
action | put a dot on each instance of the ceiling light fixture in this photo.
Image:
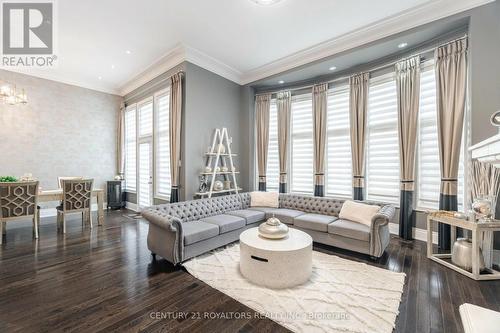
(10, 95)
(266, 2)
(332, 68)
(99, 77)
(128, 52)
(281, 81)
(112, 66)
(402, 45)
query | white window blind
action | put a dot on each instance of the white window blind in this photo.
(130, 149)
(145, 174)
(302, 144)
(162, 154)
(273, 169)
(339, 160)
(382, 162)
(146, 118)
(429, 174)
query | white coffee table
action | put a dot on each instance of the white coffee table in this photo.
(276, 263)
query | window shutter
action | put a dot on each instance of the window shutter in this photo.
(302, 144)
(339, 159)
(163, 181)
(146, 119)
(382, 163)
(273, 168)
(130, 149)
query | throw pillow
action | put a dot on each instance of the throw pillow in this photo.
(264, 199)
(358, 212)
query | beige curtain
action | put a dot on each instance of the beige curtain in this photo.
(451, 80)
(284, 105)
(320, 96)
(358, 104)
(120, 141)
(175, 133)
(408, 92)
(262, 106)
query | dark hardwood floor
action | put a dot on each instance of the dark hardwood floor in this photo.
(104, 280)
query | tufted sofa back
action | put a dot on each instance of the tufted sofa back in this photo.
(310, 204)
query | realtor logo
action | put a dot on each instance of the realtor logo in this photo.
(28, 29)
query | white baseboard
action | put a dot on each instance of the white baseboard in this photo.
(50, 212)
(418, 234)
(131, 206)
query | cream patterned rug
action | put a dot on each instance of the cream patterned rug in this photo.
(341, 296)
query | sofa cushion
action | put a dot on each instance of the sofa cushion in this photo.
(225, 222)
(350, 229)
(358, 212)
(284, 215)
(316, 222)
(264, 199)
(251, 216)
(266, 210)
(196, 231)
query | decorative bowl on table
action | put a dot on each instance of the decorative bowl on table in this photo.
(273, 229)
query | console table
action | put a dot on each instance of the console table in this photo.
(477, 228)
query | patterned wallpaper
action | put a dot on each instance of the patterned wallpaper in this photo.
(64, 130)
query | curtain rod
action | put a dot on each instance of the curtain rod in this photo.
(383, 66)
(141, 91)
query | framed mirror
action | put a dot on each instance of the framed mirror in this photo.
(495, 119)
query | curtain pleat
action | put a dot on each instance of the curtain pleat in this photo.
(358, 104)
(451, 79)
(408, 92)
(175, 133)
(120, 142)
(284, 105)
(262, 106)
(320, 96)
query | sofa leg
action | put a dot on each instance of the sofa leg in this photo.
(373, 258)
(154, 256)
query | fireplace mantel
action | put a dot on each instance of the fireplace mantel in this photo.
(487, 151)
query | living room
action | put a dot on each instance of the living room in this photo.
(250, 165)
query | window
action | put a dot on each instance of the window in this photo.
(429, 174)
(130, 149)
(302, 144)
(162, 153)
(339, 161)
(382, 162)
(273, 167)
(146, 118)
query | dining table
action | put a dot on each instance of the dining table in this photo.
(57, 195)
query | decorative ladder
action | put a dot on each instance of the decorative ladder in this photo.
(216, 157)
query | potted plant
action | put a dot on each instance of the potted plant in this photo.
(8, 179)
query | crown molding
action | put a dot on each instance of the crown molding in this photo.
(428, 12)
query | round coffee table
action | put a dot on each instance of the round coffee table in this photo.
(276, 263)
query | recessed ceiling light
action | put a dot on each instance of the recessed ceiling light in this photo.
(281, 81)
(100, 77)
(266, 2)
(402, 45)
(112, 66)
(128, 52)
(332, 68)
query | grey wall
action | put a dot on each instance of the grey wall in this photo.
(64, 130)
(211, 102)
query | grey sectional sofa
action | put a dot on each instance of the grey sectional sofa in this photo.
(183, 230)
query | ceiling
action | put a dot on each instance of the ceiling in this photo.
(237, 39)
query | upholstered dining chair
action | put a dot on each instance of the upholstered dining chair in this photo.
(60, 180)
(18, 200)
(77, 198)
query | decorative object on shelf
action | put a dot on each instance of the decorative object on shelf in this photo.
(485, 180)
(27, 177)
(8, 179)
(219, 164)
(462, 254)
(495, 119)
(11, 95)
(273, 229)
(218, 185)
(460, 215)
(118, 177)
(203, 184)
(483, 208)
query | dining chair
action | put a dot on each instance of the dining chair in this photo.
(18, 200)
(60, 179)
(77, 198)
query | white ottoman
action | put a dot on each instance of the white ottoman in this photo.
(276, 263)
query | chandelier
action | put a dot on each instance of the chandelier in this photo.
(11, 95)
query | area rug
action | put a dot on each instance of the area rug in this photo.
(341, 296)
